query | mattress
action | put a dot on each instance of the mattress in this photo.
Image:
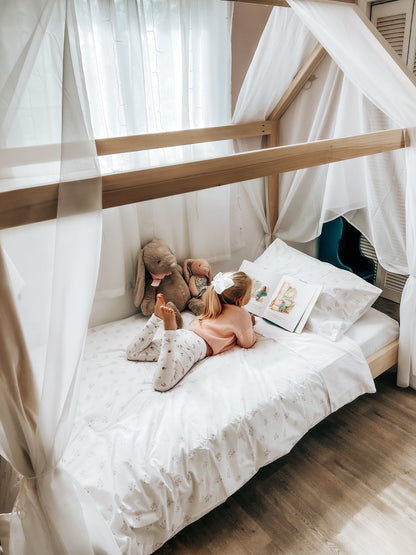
(373, 331)
(155, 462)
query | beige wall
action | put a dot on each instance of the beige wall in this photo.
(248, 24)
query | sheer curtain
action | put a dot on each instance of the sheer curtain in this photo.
(43, 102)
(346, 99)
(354, 47)
(283, 48)
(155, 66)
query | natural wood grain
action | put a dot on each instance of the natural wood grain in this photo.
(37, 154)
(273, 181)
(284, 4)
(36, 204)
(8, 486)
(148, 141)
(281, 3)
(309, 67)
(384, 358)
(347, 487)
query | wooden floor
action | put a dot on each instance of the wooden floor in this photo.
(348, 487)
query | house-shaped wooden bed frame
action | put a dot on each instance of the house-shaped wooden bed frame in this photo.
(36, 204)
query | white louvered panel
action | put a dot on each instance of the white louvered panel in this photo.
(393, 21)
(393, 30)
(391, 284)
(395, 282)
(368, 250)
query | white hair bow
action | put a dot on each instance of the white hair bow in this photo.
(221, 283)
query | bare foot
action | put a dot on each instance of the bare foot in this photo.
(160, 301)
(169, 318)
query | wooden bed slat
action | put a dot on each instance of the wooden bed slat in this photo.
(24, 206)
(117, 145)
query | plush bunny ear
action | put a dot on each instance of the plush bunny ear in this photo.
(210, 275)
(186, 269)
(140, 280)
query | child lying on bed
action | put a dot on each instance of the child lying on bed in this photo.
(223, 324)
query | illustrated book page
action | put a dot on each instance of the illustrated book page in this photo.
(282, 299)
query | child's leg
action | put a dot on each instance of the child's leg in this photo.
(180, 350)
(149, 354)
(135, 351)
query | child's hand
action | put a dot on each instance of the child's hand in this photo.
(253, 319)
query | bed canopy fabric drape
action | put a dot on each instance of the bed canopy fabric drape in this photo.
(43, 101)
(372, 192)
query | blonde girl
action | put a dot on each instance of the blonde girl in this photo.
(223, 324)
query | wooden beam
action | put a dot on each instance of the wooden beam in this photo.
(148, 141)
(37, 154)
(308, 69)
(35, 204)
(283, 3)
(384, 358)
(273, 182)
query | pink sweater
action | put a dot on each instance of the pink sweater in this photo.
(233, 326)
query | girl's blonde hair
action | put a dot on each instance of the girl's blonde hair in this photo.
(213, 302)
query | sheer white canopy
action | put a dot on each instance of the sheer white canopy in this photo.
(346, 99)
(61, 60)
(39, 388)
(149, 67)
(45, 100)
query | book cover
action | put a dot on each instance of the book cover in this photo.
(282, 299)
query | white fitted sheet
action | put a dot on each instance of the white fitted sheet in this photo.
(154, 462)
(373, 331)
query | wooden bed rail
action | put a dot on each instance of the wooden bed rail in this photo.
(283, 3)
(22, 156)
(36, 204)
(149, 141)
(384, 358)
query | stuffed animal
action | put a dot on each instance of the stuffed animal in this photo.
(198, 274)
(159, 272)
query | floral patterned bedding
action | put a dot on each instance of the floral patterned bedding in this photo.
(154, 462)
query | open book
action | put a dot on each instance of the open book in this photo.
(282, 299)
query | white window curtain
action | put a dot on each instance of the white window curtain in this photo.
(43, 102)
(346, 99)
(154, 66)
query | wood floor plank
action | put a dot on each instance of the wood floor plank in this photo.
(347, 487)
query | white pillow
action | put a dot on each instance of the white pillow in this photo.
(344, 298)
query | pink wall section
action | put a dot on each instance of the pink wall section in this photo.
(248, 24)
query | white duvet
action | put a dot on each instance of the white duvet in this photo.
(154, 462)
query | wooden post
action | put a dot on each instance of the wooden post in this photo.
(273, 181)
(305, 72)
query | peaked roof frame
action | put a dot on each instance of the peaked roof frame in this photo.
(36, 204)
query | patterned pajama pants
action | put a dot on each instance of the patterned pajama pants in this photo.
(176, 352)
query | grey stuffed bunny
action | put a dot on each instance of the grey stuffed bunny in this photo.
(159, 272)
